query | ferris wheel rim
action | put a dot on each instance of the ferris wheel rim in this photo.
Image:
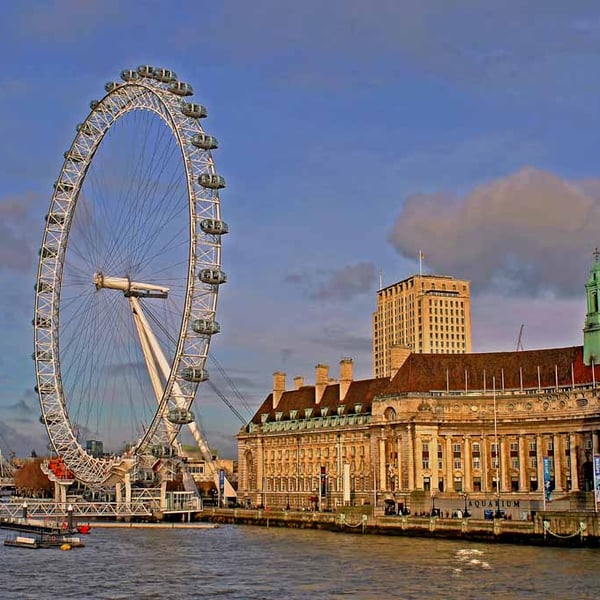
(192, 348)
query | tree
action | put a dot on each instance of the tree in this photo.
(30, 481)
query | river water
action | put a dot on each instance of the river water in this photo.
(258, 563)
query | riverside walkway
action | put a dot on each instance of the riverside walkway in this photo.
(547, 528)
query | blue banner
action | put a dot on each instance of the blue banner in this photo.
(221, 482)
(547, 478)
(597, 476)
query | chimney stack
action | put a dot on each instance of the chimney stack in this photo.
(346, 375)
(278, 387)
(321, 381)
(298, 382)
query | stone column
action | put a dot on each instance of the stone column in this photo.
(433, 463)
(382, 465)
(573, 457)
(449, 465)
(523, 484)
(504, 458)
(558, 487)
(484, 464)
(418, 461)
(410, 459)
(468, 482)
(260, 472)
(399, 465)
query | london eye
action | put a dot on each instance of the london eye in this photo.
(128, 278)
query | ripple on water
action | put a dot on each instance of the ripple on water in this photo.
(267, 564)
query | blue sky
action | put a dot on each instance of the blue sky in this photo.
(352, 135)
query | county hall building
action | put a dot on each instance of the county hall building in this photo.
(443, 431)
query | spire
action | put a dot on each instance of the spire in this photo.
(591, 330)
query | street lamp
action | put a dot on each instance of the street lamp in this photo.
(465, 511)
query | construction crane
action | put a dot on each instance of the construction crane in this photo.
(520, 339)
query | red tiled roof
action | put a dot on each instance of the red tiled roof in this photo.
(511, 370)
(438, 372)
(359, 392)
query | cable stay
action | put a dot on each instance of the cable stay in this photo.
(210, 383)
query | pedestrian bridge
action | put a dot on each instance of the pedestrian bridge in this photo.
(146, 504)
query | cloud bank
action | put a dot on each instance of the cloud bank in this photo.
(16, 247)
(342, 284)
(525, 234)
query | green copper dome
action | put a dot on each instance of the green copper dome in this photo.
(591, 330)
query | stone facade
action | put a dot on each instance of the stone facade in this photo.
(424, 313)
(446, 432)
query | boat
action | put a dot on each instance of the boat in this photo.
(84, 529)
(43, 541)
(57, 541)
(21, 541)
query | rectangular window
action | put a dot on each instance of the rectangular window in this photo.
(476, 462)
(515, 463)
(457, 463)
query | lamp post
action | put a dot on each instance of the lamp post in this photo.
(466, 511)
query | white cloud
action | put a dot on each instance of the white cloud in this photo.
(527, 233)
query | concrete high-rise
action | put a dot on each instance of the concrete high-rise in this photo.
(422, 314)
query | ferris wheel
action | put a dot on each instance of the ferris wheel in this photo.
(128, 278)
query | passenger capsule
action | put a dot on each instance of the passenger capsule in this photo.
(43, 355)
(164, 75)
(204, 141)
(180, 416)
(212, 276)
(214, 226)
(162, 451)
(94, 104)
(41, 322)
(63, 186)
(194, 374)
(74, 156)
(55, 219)
(111, 85)
(145, 70)
(87, 129)
(43, 287)
(206, 326)
(195, 111)
(44, 388)
(211, 181)
(48, 252)
(181, 88)
(50, 419)
(129, 75)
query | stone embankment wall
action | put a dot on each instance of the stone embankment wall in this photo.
(548, 528)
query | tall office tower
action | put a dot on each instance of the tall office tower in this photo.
(424, 313)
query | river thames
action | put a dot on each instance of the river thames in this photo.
(259, 563)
